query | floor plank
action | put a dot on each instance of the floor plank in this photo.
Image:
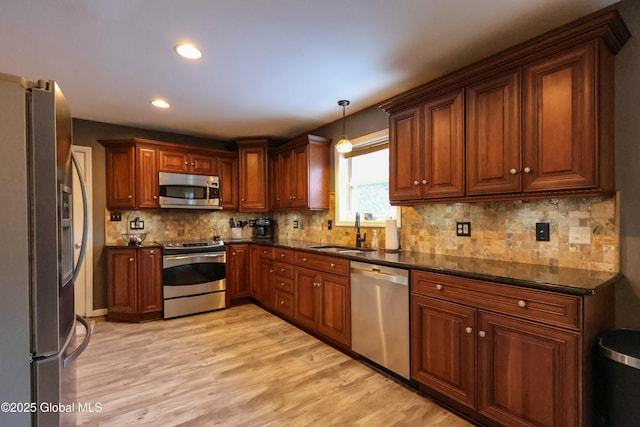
(237, 367)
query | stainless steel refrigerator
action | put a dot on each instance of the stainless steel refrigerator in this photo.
(37, 319)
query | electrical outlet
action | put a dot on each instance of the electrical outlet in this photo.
(329, 224)
(463, 229)
(116, 216)
(295, 223)
(136, 225)
(542, 231)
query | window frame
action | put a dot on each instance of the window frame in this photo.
(359, 144)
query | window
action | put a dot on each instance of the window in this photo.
(362, 182)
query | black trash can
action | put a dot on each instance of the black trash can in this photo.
(618, 379)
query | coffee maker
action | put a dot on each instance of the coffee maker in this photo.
(264, 228)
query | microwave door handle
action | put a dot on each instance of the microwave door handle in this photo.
(85, 216)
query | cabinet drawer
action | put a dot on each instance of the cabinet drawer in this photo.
(283, 269)
(265, 252)
(541, 306)
(323, 263)
(284, 255)
(284, 284)
(283, 303)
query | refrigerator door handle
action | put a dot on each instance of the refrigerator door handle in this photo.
(85, 214)
(85, 342)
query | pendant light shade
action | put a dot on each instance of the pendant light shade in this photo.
(343, 145)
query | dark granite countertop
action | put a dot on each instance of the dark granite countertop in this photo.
(558, 279)
(149, 244)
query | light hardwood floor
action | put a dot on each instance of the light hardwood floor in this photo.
(237, 367)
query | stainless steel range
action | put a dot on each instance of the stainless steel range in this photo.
(193, 277)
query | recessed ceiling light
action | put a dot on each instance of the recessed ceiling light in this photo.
(160, 103)
(188, 51)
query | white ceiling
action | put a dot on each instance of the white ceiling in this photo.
(269, 67)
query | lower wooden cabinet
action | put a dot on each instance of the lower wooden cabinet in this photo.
(323, 303)
(503, 354)
(237, 271)
(134, 284)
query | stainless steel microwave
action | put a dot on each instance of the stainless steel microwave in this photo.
(184, 191)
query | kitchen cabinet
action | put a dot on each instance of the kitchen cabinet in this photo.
(430, 138)
(322, 299)
(533, 121)
(132, 167)
(237, 271)
(134, 284)
(132, 177)
(284, 282)
(252, 179)
(300, 179)
(228, 175)
(510, 355)
(182, 161)
(493, 135)
(262, 274)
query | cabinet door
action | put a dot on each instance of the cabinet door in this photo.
(147, 178)
(228, 174)
(149, 280)
(265, 282)
(560, 121)
(286, 162)
(201, 164)
(405, 168)
(120, 177)
(276, 190)
(300, 177)
(494, 137)
(528, 373)
(443, 347)
(443, 150)
(173, 161)
(306, 307)
(238, 268)
(253, 178)
(122, 280)
(335, 307)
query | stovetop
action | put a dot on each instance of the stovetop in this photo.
(201, 246)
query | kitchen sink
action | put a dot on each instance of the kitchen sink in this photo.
(340, 249)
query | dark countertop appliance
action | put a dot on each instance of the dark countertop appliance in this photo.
(264, 228)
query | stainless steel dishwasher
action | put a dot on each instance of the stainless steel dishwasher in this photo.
(380, 315)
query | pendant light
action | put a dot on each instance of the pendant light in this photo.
(344, 145)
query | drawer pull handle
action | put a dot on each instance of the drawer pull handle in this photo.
(482, 334)
(439, 287)
(468, 329)
(522, 303)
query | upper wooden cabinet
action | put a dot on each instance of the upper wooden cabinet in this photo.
(427, 152)
(132, 167)
(253, 175)
(538, 122)
(184, 161)
(300, 174)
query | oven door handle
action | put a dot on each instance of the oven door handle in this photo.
(185, 259)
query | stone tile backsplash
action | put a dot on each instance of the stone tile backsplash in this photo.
(584, 232)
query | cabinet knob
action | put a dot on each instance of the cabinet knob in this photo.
(513, 171)
(155, 197)
(290, 197)
(270, 270)
(293, 197)
(468, 329)
(130, 196)
(264, 251)
(278, 198)
(415, 183)
(282, 255)
(242, 199)
(233, 253)
(527, 170)
(439, 287)
(522, 303)
(482, 334)
(282, 284)
(193, 164)
(424, 181)
(304, 260)
(333, 265)
(186, 163)
(281, 302)
(282, 270)
(152, 252)
(130, 259)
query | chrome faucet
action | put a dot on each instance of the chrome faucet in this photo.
(359, 240)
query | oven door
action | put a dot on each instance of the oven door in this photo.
(193, 274)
